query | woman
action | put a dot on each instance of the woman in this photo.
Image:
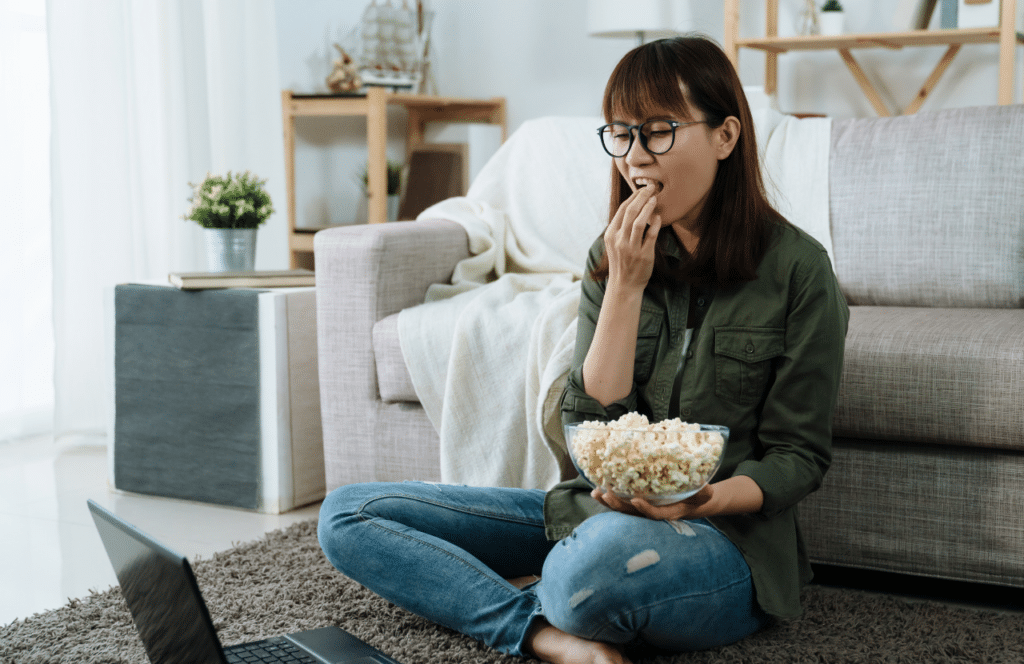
(702, 303)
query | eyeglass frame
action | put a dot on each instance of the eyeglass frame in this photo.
(639, 132)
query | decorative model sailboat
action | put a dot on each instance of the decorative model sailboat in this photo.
(391, 43)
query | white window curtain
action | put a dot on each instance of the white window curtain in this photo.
(26, 327)
(146, 97)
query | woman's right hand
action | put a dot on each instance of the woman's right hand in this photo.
(630, 239)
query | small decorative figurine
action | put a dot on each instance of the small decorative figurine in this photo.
(345, 75)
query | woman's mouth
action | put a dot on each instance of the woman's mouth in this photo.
(639, 183)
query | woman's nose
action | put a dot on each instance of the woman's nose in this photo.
(637, 154)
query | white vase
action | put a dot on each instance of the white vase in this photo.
(831, 23)
(230, 249)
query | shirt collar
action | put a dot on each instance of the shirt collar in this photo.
(672, 247)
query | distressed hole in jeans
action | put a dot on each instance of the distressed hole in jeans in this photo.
(576, 599)
(642, 560)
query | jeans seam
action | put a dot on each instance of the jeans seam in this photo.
(501, 517)
(637, 609)
(373, 522)
(536, 610)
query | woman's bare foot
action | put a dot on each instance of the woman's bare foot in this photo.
(551, 644)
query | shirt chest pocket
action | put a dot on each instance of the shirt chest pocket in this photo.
(743, 361)
(647, 337)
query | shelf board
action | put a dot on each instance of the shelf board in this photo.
(892, 40)
(327, 106)
(333, 105)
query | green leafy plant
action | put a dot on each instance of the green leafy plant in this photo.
(832, 6)
(394, 178)
(230, 201)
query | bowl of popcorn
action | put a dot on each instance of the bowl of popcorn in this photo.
(663, 462)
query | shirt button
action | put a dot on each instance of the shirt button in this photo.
(685, 412)
(750, 348)
(689, 354)
(700, 302)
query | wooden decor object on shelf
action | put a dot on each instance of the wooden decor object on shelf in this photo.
(436, 171)
(1004, 34)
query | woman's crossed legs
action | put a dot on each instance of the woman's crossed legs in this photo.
(444, 552)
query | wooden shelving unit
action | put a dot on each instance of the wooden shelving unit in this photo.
(373, 106)
(1004, 34)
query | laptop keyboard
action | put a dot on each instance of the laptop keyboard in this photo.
(269, 650)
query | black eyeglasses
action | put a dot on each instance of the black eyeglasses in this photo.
(656, 136)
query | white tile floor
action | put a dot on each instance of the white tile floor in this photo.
(49, 548)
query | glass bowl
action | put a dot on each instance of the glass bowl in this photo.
(661, 466)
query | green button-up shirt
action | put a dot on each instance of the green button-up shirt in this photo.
(765, 360)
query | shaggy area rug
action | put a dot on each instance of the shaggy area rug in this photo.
(283, 583)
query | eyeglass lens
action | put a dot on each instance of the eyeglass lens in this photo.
(656, 136)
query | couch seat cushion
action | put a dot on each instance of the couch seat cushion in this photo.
(931, 375)
(393, 380)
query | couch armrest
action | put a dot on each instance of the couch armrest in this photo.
(387, 266)
(368, 272)
(363, 274)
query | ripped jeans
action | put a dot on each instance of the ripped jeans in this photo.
(443, 552)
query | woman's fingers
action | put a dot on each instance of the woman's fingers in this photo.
(625, 211)
(653, 228)
(642, 221)
(610, 500)
(633, 217)
(630, 238)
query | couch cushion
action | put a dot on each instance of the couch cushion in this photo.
(393, 379)
(928, 210)
(931, 375)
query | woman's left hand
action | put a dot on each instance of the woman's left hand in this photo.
(694, 507)
(736, 495)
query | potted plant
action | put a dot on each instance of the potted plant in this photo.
(831, 21)
(230, 208)
(394, 186)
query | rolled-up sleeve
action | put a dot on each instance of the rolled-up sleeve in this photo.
(795, 431)
(577, 405)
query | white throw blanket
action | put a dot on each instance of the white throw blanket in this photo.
(794, 161)
(489, 353)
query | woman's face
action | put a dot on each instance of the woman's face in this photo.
(685, 173)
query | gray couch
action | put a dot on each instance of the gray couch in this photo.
(927, 218)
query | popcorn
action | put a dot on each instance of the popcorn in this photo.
(634, 457)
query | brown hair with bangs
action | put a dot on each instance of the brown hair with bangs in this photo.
(737, 221)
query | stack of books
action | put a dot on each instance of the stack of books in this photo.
(254, 279)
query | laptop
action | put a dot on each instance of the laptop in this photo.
(174, 623)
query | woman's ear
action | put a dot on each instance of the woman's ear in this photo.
(725, 137)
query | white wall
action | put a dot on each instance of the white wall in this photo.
(536, 54)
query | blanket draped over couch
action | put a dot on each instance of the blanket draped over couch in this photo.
(488, 354)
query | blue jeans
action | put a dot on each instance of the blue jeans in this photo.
(443, 552)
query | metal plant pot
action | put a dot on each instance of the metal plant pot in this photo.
(231, 249)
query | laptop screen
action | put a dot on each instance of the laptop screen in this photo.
(161, 593)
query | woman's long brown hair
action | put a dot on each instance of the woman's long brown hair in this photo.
(737, 222)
